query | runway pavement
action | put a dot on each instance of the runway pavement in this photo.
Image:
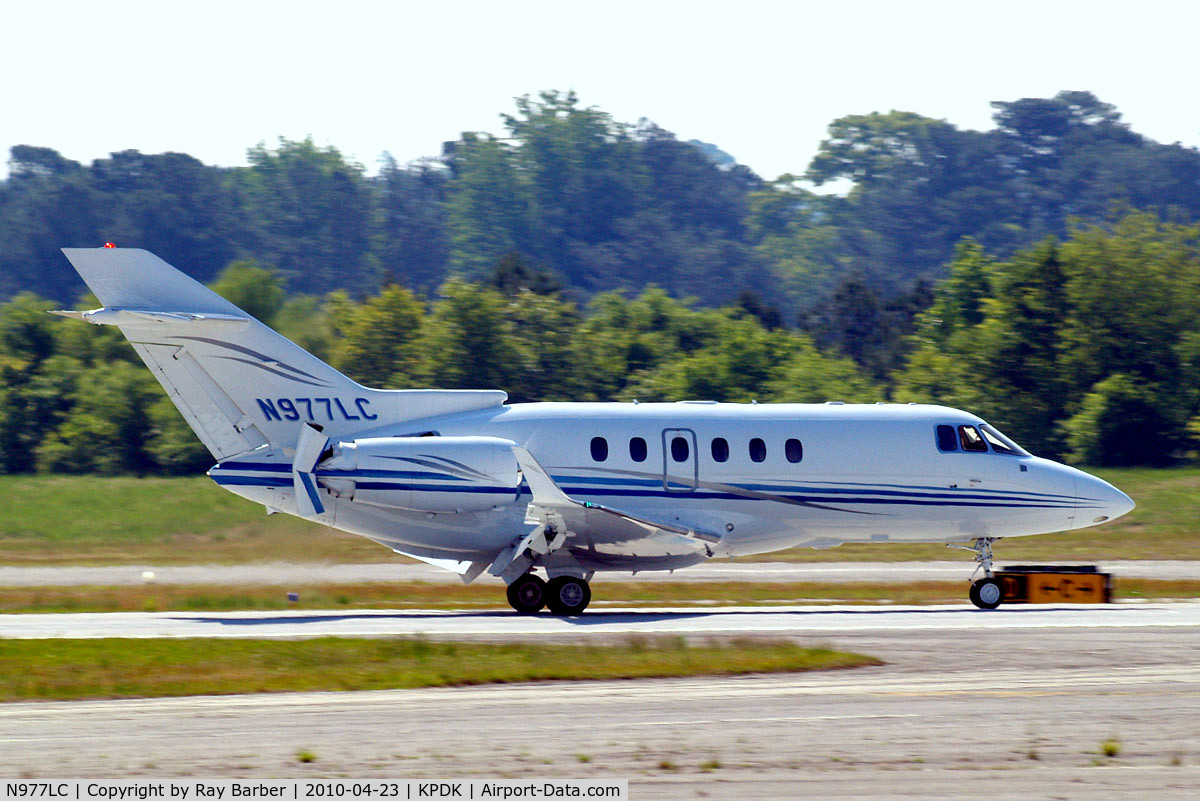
(299, 574)
(995, 711)
(724, 621)
(1012, 703)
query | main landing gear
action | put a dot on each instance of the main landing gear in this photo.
(564, 595)
(986, 592)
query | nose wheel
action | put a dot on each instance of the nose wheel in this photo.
(986, 593)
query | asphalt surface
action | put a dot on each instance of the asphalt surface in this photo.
(721, 621)
(300, 574)
(1013, 703)
(978, 711)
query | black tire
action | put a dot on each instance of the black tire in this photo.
(527, 594)
(567, 595)
(986, 593)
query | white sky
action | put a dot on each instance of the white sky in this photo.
(761, 80)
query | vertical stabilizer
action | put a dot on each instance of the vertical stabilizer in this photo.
(238, 383)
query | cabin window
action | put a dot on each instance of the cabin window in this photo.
(1001, 443)
(680, 449)
(599, 449)
(637, 449)
(720, 449)
(793, 450)
(971, 440)
(946, 439)
(758, 450)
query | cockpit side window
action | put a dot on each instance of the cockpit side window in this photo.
(946, 438)
(1001, 443)
(971, 440)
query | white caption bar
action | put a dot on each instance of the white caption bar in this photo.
(310, 790)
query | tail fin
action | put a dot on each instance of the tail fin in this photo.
(238, 383)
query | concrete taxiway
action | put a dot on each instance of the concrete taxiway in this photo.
(969, 705)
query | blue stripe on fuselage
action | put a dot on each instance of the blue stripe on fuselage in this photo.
(963, 500)
(844, 495)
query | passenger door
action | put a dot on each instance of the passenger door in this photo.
(681, 468)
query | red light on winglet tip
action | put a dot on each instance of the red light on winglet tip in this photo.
(109, 245)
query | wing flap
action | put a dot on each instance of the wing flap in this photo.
(602, 530)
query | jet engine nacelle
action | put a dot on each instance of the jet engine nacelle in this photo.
(424, 474)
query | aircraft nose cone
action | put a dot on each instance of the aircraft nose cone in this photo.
(1100, 502)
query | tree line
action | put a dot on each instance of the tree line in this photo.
(1042, 273)
(606, 205)
(1085, 347)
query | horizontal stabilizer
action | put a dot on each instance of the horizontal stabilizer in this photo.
(208, 320)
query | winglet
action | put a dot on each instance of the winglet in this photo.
(545, 491)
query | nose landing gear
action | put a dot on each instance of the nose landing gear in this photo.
(986, 592)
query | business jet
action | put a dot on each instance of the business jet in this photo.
(467, 482)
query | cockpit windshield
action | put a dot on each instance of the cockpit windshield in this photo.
(1001, 443)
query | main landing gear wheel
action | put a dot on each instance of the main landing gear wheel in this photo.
(568, 595)
(986, 593)
(527, 594)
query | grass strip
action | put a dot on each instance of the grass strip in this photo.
(128, 668)
(82, 520)
(428, 595)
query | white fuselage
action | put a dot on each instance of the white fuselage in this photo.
(458, 478)
(853, 473)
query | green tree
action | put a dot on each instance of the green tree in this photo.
(1121, 423)
(1017, 349)
(739, 363)
(106, 430)
(411, 238)
(26, 345)
(171, 444)
(253, 289)
(542, 331)
(513, 274)
(467, 333)
(958, 299)
(810, 376)
(1133, 290)
(26, 331)
(488, 205)
(306, 210)
(304, 320)
(621, 337)
(379, 340)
